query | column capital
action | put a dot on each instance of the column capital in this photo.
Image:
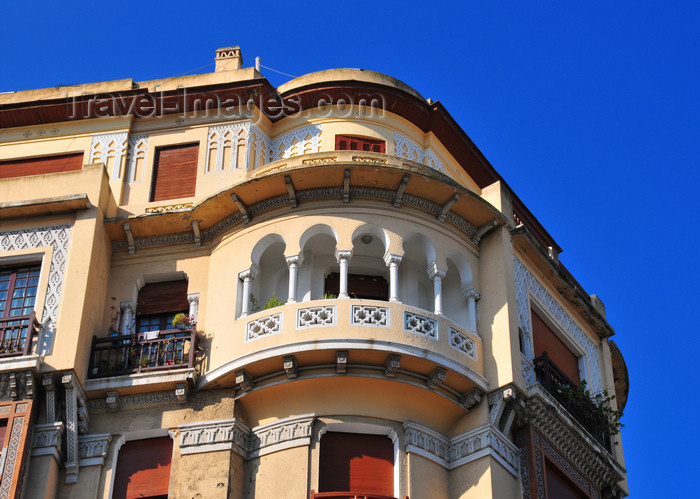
(434, 271)
(343, 255)
(249, 273)
(390, 258)
(294, 260)
(126, 305)
(470, 293)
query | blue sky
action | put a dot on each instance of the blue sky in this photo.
(589, 111)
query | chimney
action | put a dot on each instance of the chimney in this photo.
(228, 59)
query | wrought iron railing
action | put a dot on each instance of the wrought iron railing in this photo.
(16, 334)
(143, 352)
(580, 406)
(348, 495)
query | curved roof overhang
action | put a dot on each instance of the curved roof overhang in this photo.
(295, 183)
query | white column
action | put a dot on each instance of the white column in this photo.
(393, 262)
(436, 275)
(472, 296)
(293, 263)
(127, 322)
(193, 300)
(343, 257)
(246, 276)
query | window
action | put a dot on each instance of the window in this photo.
(364, 287)
(349, 143)
(143, 469)
(546, 340)
(559, 486)
(175, 172)
(38, 166)
(358, 463)
(158, 303)
(18, 290)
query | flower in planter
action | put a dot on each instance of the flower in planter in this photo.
(182, 321)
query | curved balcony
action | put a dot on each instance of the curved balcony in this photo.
(349, 336)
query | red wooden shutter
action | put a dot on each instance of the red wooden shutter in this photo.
(547, 341)
(350, 143)
(356, 463)
(3, 432)
(175, 172)
(161, 297)
(38, 166)
(143, 468)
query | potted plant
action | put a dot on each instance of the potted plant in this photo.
(273, 302)
(182, 321)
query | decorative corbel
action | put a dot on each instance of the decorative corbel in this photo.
(241, 208)
(290, 366)
(470, 399)
(483, 230)
(129, 238)
(398, 197)
(346, 186)
(341, 361)
(244, 380)
(436, 378)
(446, 207)
(291, 191)
(197, 234)
(392, 365)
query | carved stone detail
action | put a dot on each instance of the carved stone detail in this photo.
(526, 283)
(141, 399)
(93, 448)
(436, 378)
(244, 380)
(111, 146)
(283, 432)
(565, 464)
(321, 316)
(10, 455)
(419, 324)
(58, 237)
(136, 157)
(463, 342)
(341, 361)
(524, 475)
(290, 366)
(470, 399)
(304, 140)
(464, 448)
(571, 440)
(232, 434)
(214, 435)
(265, 326)
(47, 439)
(393, 362)
(368, 315)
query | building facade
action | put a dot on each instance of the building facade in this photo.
(211, 287)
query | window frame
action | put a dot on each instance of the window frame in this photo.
(370, 142)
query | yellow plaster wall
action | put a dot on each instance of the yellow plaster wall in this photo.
(282, 474)
(426, 478)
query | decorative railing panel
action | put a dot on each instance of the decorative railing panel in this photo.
(152, 351)
(419, 324)
(16, 334)
(463, 343)
(582, 409)
(368, 315)
(316, 316)
(265, 326)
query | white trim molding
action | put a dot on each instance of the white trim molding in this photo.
(453, 452)
(231, 434)
(526, 284)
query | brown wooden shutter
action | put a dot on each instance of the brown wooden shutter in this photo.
(38, 166)
(560, 487)
(352, 462)
(143, 468)
(350, 143)
(161, 297)
(175, 172)
(547, 341)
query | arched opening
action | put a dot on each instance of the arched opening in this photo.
(416, 288)
(317, 245)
